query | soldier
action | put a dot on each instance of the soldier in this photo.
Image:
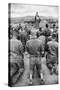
(37, 20)
(52, 52)
(47, 31)
(24, 36)
(20, 28)
(42, 38)
(34, 49)
(38, 33)
(16, 58)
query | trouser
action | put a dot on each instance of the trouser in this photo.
(16, 68)
(37, 24)
(43, 50)
(35, 61)
(51, 61)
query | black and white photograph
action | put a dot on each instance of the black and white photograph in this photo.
(33, 38)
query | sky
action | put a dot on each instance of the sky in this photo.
(21, 10)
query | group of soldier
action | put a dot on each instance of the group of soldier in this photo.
(42, 44)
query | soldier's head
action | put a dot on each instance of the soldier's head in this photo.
(36, 13)
(46, 25)
(53, 26)
(40, 29)
(15, 34)
(19, 24)
(37, 34)
(54, 36)
(29, 32)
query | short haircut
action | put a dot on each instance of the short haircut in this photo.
(15, 33)
(53, 25)
(53, 35)
(46, 25)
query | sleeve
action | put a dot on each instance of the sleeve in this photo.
(46, 47)
(20, 49)
(27, 47)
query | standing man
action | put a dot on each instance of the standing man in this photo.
(16, 58)
(24, 36)
(37, 20)
(46, 32)
(52, 52)
(34, 49)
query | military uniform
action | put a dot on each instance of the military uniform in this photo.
(23, 36)
(34, 49)
(37, 20)
(52, 54)
(16, 59)
(42, 38)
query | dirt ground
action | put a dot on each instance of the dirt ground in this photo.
(24, 79)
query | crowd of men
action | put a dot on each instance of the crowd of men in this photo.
(42, 44)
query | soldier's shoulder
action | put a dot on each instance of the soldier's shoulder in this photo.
(28, 42)
(49, 42)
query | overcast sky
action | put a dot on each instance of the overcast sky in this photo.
(20, 10)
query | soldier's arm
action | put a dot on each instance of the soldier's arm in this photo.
(21, 49)
(46, 47)
(27, 47)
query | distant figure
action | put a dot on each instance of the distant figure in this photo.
(47, 31)
(37, 20)
(20, 28)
